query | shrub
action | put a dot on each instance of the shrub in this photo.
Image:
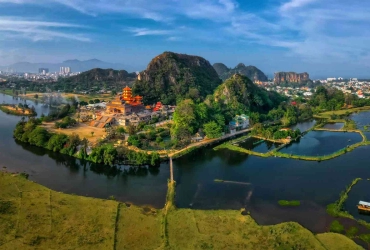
(336, 227)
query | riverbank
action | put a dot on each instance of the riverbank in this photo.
(328, 114)
(14, 110)
(86, 98)
(36, 217)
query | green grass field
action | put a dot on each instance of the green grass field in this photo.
(328, 114)
(35, 217)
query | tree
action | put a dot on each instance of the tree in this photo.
(184, 115)
(92, 133)
(134, 140)
(57, 142)
(36, 96)
(39, 137)
(131, 129)
(155, 159)
(121, 131)
(212, 130)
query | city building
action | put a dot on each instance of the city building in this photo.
(65, 70)
(330, 79)
(43, 71)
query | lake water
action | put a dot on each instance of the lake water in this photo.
(257, 184)
(362, 119)
(318, 143)
(258, 145)
(336, 126)
(359, 192)
(304, 126)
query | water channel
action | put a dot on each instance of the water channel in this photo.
(255, 183)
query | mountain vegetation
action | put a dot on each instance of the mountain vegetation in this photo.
(235, 96)
(101, 78)
(251, 72)
(221, 69)
(172, 77)
(240, 95)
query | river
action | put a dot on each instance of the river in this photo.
(261, 181)
(142, 186)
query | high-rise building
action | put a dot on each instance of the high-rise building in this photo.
(43, 71)
(65, 70)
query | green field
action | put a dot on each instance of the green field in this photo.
(35, 217)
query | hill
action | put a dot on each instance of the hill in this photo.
(97, 78)
(104, 75)
(221, 69)
(35, 217)
(75, 65)
(239, 94)
(170, 77)
(251, 72)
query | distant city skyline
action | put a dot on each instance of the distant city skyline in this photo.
(324, 38)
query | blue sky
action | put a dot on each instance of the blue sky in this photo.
(323, 37)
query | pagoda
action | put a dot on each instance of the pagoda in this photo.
(126, 103)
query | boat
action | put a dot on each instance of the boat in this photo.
(363, 207)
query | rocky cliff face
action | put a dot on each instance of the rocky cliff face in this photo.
(170, 77)
(291, 77)
(252, 72)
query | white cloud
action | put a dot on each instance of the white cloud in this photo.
(148, 32)
(295, 4)
(38, 30)
(174, 38)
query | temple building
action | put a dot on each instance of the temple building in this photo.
(126, 103)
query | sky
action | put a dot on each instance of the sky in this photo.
(326, 38)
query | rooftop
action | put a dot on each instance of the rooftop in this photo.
(364, 203)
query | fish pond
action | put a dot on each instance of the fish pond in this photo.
(334, 126)
(258, 145)
(319, 143)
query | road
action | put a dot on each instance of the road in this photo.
(205, 142)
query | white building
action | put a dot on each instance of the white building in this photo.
(65, 70)
(330, 79)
